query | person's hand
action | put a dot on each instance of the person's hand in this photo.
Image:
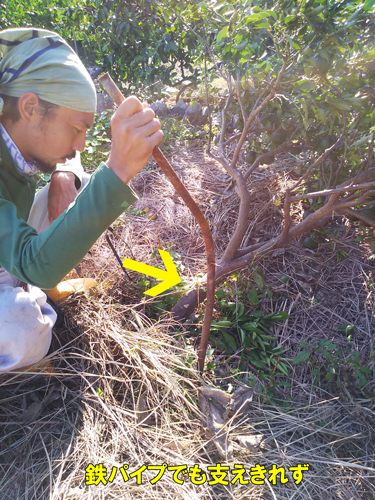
(62, 192)
(135, 133)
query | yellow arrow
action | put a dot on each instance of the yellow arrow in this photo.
(169, 277)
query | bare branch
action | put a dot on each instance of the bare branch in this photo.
(232, 171)
(328, 192)
(359, 215)
(324, 155)
(371, 153)
(249, 249)
(250, 131)
(242, 221)
(281, 149)
(354, 198)
(256, 109)
(342, 161)
(354, 202)
(224, 121)
(287, 219)
(238, 92)
(207, 103)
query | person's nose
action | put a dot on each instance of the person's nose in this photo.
(80, 142)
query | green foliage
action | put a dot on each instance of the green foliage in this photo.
(97, 141)
(137, 41)
(320, 39)
(332, 363)
(175, 131)
(249, 335)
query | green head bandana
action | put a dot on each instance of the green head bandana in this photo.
(40, 61)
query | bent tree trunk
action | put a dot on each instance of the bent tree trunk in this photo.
(335, 205)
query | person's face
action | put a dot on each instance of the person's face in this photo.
(58, 136)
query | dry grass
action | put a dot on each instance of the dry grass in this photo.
(122, 390)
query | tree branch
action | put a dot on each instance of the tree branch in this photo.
(324, 155)
(238, 92)
(358, 215)
(328, 192)
(256, 109)
(281, 149)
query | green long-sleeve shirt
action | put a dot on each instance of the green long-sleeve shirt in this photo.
(44, 259)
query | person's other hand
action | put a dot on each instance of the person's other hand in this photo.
(135, 133)
(62, 192)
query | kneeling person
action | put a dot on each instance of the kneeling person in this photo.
(47, 103)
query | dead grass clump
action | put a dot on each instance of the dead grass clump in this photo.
(122, 391)
(113, 396)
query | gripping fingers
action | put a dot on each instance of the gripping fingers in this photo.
(130, 106)
(142, 118)
(155, 138)
(150, 128)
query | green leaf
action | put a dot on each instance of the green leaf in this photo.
(280, 316)
(361, 378)
(305, 108)
(361, 141)
(316, 375)
(257, 17)
(243, 336)
(256, 314)
(262, 24)
(256, 363)
(240, 309)
(222, 34)
(339, 104)
(346, 329)
(301, 357)
(251, 327)
(253, 296)
(322, 114)
(259, 281)
(368, 5)
(240, 46)
(222, 323)
(366, 369)
(306, 85)
(229, 340)
(283, 368)
(268, 337)
(290, 41)
(289, 18)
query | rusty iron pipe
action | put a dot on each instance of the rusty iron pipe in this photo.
(115, 93)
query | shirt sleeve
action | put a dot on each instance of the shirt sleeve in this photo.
(74, 166)
(44, 259)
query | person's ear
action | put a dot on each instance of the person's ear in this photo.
(28, 106)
